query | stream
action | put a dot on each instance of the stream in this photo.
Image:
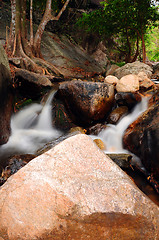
(31, 128)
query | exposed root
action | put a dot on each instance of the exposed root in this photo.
(47, 65)
(14, 46)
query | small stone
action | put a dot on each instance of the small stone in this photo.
(100, 144)
(111, 79)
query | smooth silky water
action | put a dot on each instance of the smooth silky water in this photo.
(31, 128)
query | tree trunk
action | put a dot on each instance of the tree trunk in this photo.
(31, 24)
(18, 41)
(143, 48)
(13, 23)
(128, 57)
(46, 18)
(137, 49)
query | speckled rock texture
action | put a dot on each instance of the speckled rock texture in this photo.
(133, 68)
(128, 83)
(74, 191)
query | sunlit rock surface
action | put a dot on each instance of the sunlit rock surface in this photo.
(128, 83)
(74, 191)
(133, 68)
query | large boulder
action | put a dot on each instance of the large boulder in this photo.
(74, 191)
(4, 58)
(5, 97)
(30, 84)
(88, 101)
(133, 68)
(128, 99)
(128, 83)
(68, 58)
(142, 137)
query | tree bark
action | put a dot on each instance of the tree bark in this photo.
(128, 57)
(137, 49)
(20, 46)
(13, 23)
(46, 18)
(31, 24)
(143, 48)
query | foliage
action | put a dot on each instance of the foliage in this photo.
(122, 20)
(152, 44)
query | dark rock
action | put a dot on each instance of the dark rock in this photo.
(61, 117)
(142, 138)
(156, 71)
(13, 164)
(6, 99)
(87, 101)
(31, 85)
(121, 159)
(127, 99)
(96, 129)
(117, 114)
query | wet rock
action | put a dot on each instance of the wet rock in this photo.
(11, 165)
(127, 99)
(75, 191)
(117, 114)
(142, 138)
(100, 144)
(128, 83)
(87, 101)
(111, 79)
(96, 129)
(6, 100)
(123, 160)
(133, 68)
(156, 71)
(144, 82)
(61, 117)
(79, 129)
(31, 85)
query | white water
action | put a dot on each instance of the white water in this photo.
(31, 129)
(112, 136)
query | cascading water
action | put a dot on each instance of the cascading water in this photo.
(112, 136)
(31, 129)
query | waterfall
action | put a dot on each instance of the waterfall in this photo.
(112, 136)
(31, 128)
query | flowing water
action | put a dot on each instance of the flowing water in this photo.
(31, 128)
(112, 136)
